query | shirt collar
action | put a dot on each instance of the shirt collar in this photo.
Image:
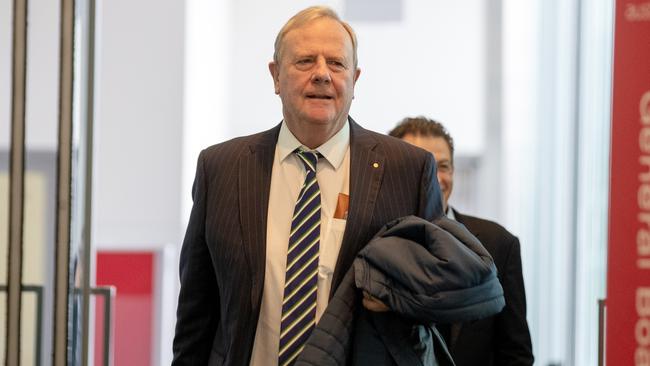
(450, 213)
(333, 150)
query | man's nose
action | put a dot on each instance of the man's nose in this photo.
(321, 72)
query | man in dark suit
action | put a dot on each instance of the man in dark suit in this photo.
(317, 181)
(503, 339)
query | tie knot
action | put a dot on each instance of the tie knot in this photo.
(309, 159)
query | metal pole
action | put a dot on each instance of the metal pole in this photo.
(38, 290)
(88, 169)
(16, 182)
(108, 293)
(64, 165)
(601, 332)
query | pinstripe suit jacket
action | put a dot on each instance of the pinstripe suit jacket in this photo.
(223, 256)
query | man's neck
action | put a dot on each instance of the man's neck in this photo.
(314, 135)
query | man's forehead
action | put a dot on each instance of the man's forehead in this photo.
(311, 49)
(318, 30)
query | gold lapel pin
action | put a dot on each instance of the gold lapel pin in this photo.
(375, 165)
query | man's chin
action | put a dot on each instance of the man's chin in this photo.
(323, 120)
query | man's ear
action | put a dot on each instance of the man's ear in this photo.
(274, 69)
(357, 73)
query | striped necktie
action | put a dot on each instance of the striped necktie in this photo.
(299, 301)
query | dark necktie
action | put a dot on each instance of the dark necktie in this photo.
(299, 300)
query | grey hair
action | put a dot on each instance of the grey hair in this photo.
(307, 15)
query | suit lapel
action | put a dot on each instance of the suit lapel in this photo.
(366, 171)
(462, 219)
(254, 182)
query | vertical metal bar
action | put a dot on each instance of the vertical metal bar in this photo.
(601, 332)
(73, 358)
(64, 168)
(88, 150)
(16, 182)
(576, 257)
(109, 310)
(108, 293)
(38, 290)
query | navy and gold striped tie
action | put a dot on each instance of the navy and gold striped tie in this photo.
(299, 301)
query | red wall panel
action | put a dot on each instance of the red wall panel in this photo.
(628, 272)
(133, 274)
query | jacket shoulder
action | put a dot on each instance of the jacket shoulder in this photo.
(477, 225)
(499, 242)
(231, 149)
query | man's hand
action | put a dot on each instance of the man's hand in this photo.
(373, 304)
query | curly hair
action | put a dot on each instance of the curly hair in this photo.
(423, 126)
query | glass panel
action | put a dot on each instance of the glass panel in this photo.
(41, 138)
(6, 11)
(596, 35)
(81, 147)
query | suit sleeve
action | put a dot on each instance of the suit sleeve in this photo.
(430, 194)
(197, 314)
(513, 345)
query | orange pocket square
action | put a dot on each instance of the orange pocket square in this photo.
(342, 205)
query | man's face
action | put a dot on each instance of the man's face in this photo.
(440, 150)
(315, 76)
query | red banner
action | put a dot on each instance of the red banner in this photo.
(628, 272)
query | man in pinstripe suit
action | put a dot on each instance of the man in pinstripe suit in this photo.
(234, 256)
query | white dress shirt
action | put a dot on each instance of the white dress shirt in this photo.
(333, 175)
(450, 213)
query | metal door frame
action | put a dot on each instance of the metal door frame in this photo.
(63, 282)
(16, 181)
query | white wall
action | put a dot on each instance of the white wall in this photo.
(432, 64)
(139, 122)
(139, 134)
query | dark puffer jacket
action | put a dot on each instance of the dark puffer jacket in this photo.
(426, 273)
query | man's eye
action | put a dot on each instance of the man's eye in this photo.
(336, 64)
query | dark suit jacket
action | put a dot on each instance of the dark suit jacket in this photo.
(503, 339)
(223, 256)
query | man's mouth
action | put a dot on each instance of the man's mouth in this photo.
(319, 96)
